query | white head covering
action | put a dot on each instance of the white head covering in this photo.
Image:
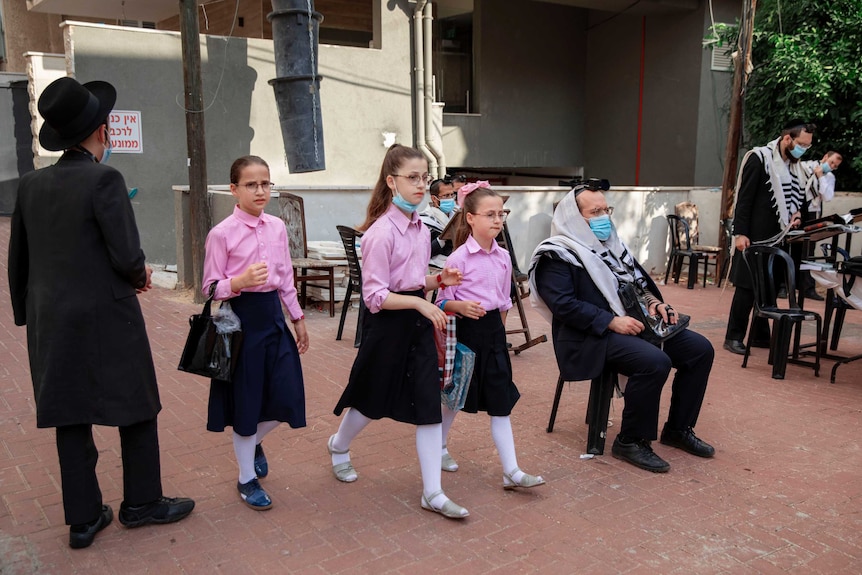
(573, 241)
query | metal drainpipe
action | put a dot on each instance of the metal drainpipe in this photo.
(419, 87)
(429, 92)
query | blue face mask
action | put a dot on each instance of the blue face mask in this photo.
(825, 167)
(404, 204)
(446, 206)
(798, 151)
(107, 153)
(601, 226)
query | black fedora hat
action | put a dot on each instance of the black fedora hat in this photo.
(72, 111)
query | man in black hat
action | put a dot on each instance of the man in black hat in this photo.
(75, 269)
(770, 196)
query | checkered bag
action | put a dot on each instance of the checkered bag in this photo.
(447, 342)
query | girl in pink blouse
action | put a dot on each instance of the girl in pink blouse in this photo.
(395, 372)
(248, 262)
(481, 302)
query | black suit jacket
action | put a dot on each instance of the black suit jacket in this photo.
(581, 316)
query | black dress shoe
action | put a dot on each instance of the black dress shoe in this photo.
(639, 453)
(813, 295)
(83, 535)
(734, 346)
(162, 510)
(687, 441)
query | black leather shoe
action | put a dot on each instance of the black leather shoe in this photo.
(813, 295)
(734, 346)
(83, 535)
(162, 510)
(687, 441)
(640, 454)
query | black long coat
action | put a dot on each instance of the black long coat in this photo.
(74, 262)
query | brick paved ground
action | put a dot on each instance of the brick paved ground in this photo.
(781, 496)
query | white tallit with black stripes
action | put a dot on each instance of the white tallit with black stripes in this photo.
(787, 181)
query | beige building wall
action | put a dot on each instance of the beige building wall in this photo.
(28, 32)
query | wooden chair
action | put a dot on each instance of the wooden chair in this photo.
(348, 238)
(520, 291)
(688, 211)
(761, 262)
(306, 271)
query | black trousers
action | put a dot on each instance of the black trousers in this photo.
(142, 483)
(740, 314)
(648, 367)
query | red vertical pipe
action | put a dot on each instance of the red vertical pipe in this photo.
(640, 102)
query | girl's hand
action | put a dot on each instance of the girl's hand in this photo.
(301, 336)
(254, 275)
(432, 312)
(451, 276)
(470, 309)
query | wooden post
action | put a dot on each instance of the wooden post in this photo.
(195, 142)
(734, 131)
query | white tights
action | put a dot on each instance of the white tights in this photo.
(243, 447)
(501, 433)
(428, 440)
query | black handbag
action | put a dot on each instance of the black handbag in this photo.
(207, 352)
(656, 331)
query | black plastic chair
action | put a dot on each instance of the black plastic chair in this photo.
(598, 408)
(348, 238)
(761, 262)
(681, 248)
(835, 303)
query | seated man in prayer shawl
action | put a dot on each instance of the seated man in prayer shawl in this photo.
(770, 195)
(574, 277)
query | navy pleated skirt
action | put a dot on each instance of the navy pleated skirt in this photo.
(395, 371)
(267, 384)
(491, 388)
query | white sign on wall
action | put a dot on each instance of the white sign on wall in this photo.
(125, 128)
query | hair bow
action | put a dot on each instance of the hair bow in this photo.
(467, 188)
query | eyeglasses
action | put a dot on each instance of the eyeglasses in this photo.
(448, 196)
(493, 215)
(416, 179)
(594, 213)
(253, 186)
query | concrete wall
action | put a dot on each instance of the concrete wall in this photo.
(714, 104)
(639, 216)
(364, 93)
(530, 73)
(683, 129)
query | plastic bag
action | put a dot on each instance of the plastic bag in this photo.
(226, 320)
